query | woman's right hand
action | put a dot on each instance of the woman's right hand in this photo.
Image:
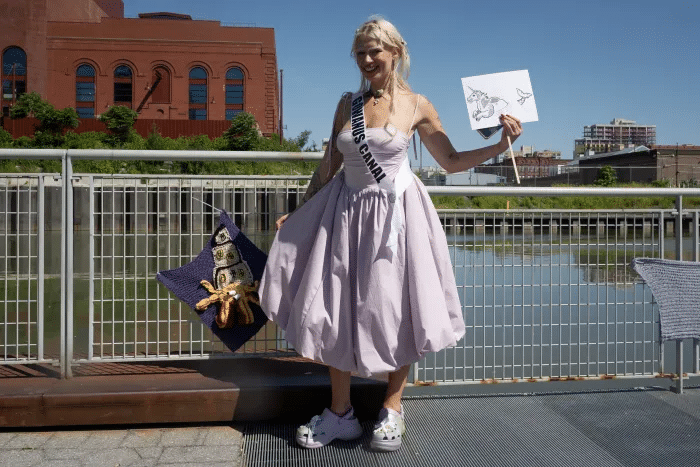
(280, 221)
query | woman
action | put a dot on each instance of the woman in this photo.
(360, 276)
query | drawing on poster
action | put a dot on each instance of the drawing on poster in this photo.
(490, 96)
(486, 106)
(523, 95)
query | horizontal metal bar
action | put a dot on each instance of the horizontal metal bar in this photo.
(558, 191)
(185, 155)
(40, 154)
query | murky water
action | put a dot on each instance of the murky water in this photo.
(525, 296)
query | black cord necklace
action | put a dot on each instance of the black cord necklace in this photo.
(376, 95)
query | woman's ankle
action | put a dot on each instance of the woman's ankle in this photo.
(345, 409)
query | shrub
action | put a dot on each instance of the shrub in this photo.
(87, 140)
(243, 134)
(120, 121)
(5, 138)
(606, 177)
(52, 122)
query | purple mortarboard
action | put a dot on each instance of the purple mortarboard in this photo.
(231, 265)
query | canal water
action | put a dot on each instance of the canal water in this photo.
(524, 304)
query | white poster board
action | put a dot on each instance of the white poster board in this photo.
(489, 96)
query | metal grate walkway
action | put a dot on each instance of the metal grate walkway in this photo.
(622, 428)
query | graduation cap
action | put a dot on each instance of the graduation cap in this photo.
(221, 284)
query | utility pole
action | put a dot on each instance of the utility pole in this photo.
(677, 166)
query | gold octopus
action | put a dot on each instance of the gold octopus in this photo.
(234, 299)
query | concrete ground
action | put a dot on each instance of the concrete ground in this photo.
(244, 413)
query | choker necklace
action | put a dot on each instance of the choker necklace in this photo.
(376, 95)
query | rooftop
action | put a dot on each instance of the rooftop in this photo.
(165, 15)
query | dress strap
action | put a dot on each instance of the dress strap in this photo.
(415, 111)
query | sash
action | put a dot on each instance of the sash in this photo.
(394, 190)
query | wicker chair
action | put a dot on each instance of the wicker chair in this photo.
(675, 286)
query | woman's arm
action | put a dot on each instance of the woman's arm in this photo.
(436, 141)
(332, 159)
(331, 162)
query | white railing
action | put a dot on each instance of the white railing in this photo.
(546, 293)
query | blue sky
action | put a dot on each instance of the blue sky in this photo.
(589, 62)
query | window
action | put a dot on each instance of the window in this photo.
(85, 91)
(160, 85)
(234, 92)
(198, 94)
(14, 76)
(123, 80)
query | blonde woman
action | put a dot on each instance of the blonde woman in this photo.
(360, 277)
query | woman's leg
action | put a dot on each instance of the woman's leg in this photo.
(340, 391)
(394, 390)
(324, 428)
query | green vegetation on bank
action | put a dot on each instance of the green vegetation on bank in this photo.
(55, 131)
(606, 178)
(563, 202)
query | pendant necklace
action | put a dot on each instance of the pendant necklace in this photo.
(376, 95)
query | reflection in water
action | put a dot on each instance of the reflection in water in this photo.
(530, 306)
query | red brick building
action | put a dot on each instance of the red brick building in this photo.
(84, 54)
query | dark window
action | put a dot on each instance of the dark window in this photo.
(198, 114)
(14, 75)
(231, 113)
(160, 85)
(198, 94)
(234, 92)
(123, 86)
(85, 112)
(85, 91)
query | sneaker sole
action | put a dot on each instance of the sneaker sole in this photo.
(303, 441)
(385, 445)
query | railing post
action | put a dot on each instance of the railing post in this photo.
(679, 228)
(91, 267)
(679, 365)
(696, 236)
(41, 238)
(67, 268)
(62, 336)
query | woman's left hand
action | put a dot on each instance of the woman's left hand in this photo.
(511, 128)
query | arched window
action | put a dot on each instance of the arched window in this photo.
(234, 92)
(85, 91)
(14, 77)
(160, 85)
(123, 86)
(198, 93)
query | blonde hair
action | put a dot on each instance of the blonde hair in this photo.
(382, 31)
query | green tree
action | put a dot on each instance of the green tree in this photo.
(606, 176)
(120, 121)
(243, 134)
(5, 138)
(302, 139)
(52, 122)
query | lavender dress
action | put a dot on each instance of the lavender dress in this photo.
(340, 294)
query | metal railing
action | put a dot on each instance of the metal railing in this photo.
(546, 294)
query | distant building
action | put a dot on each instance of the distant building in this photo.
(531, 164)
(619, 134)
(437, 176)
(84, 54)
(528, 167)
(678, 164)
